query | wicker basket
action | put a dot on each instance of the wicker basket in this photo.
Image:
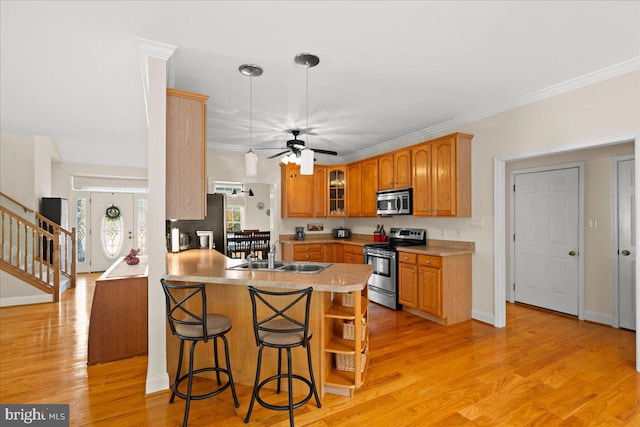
(349, 330)
(345, 362)
(348, 300)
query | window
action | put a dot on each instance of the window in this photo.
(81, 230)
(112, 232)
(234, 218)
(142, 226)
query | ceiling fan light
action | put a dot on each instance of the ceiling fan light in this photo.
(250, 163)
(306, 162)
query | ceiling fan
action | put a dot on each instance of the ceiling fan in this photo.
(295, 146)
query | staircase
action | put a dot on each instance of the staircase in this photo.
(36, 250)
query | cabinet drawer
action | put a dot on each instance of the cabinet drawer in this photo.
(431, 261)
(299, 249)
(407, 257)
(353, 249)
(308, 256)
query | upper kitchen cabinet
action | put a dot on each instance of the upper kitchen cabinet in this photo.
(337, 190)
(320, 191)
(394, 170)
(297, 192)
(362, 184)
(186, 149)
(354, 190)
(442, 177)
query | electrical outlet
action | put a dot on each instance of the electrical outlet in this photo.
(477, 222)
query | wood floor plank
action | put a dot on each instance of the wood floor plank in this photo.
(543, 369)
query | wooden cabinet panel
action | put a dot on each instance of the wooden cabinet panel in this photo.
(296, 192)
(369, 173)
(352, 254)
(442, 177)
(332, 252)
(402, 168)
(354, 190)
(394, 170)
(430, 290)
(408, 284)
(320, 191)
(186, 155)
(385, 171)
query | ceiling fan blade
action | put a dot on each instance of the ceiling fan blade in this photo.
(279, 154)
(332, 153)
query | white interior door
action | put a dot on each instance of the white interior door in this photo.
(626, 244)
(112, 228)
(546, 239)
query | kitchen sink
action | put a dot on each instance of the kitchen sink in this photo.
(284, 267)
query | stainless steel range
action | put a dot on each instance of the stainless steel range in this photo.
(383, 283)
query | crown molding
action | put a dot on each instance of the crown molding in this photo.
(454, 124)
(448, 126)
(152, 49)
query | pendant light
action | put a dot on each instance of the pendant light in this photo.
(250, 158)
(307, 60)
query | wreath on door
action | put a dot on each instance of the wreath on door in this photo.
(112, 212)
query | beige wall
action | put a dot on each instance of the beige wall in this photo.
(602, 110)
(598, 182)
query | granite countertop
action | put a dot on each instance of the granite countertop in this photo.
(210, 266)
(434, 247)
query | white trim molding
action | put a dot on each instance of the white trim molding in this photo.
(152, 49)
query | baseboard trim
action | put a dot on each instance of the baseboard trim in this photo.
(483, 317)
(157, 383)
(593, 316)
(25, 300)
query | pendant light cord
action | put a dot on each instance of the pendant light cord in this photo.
(251, 112)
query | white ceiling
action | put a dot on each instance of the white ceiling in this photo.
(390, 73)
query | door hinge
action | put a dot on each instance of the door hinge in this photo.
(514, 188)
(514, 286)
(514, 237)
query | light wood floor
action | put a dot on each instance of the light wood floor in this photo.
(543, 369)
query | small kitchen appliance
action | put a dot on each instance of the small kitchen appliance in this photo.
(205, 239)
(341, 233)
(299, 233)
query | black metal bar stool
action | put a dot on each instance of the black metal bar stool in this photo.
(278, 329)
(194, 324)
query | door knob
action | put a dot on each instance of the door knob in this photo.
(625, 253)
(572, 253)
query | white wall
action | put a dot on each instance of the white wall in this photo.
(25, 162)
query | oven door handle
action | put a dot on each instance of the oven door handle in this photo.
(398, 203)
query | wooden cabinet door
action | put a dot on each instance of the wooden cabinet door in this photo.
(385, 172)
(354, 190)
(320, 191)
(430, 290)
(408, 285)
(402, 169)
(186, 153)
(337, 188)
(369, 173)
(296, 192)
(444, 177)
(421, 157)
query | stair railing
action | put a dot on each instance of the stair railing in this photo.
(39, 252)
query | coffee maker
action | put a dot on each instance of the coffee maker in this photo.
(299, 233)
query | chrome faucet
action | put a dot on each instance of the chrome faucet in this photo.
(272, 256)
(250, 257)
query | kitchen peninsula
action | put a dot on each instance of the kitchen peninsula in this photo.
(338, 300)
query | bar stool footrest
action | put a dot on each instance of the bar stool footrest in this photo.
(284, 407)
(215, 392)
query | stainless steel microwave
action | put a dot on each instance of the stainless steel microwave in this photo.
(395, 202)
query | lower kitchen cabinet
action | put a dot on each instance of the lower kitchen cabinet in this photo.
(311, 252)
(352, 254)
(332, 252)
(437, 287)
